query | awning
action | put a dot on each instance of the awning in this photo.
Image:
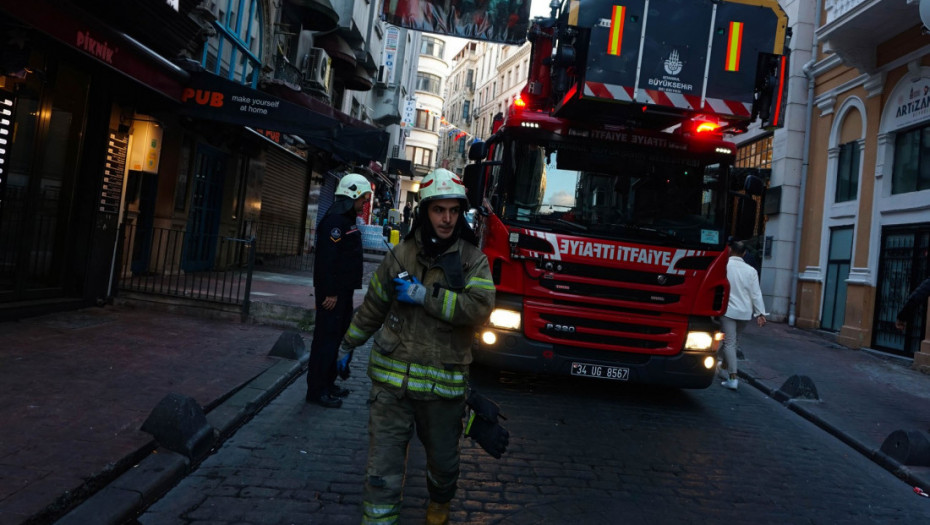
(355, 140)
(315, 15)
(92, 38)
(338, 49)
(211, 97)
(358, 80)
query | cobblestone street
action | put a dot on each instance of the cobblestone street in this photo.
(581, 452)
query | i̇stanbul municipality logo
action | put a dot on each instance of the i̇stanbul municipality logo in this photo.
(672, 64)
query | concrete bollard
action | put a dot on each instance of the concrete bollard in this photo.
(179, 424)
(799, 387)
(290, 345)
(908, 447)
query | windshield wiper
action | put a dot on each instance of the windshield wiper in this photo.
(664, 234)
(561, 222)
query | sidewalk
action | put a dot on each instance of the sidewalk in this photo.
(77, 387)
(864, 396)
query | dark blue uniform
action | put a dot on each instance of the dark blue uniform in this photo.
(337, 270)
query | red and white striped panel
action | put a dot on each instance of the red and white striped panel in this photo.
(662, 98)
(608, 91)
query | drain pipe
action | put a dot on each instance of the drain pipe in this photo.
(805, 165)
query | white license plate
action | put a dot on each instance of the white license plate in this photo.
(604, 372)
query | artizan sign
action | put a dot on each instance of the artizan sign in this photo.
(911, 104)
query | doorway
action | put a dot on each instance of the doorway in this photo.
(839, 258)
(203, 224)
(903, 265)
(37, 191)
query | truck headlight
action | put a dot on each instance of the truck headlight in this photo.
(703, 341)
(505, 319)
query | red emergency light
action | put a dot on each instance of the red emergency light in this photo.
(706, 127)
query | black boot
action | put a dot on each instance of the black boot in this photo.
(338, 391)
(326, 400)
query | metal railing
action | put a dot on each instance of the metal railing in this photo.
(177, 263)
(281, 247)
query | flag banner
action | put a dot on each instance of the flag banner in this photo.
(501, 21)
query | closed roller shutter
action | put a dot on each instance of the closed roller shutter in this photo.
(283, 213)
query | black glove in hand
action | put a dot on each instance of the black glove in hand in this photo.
(483, 427)
(492, 437)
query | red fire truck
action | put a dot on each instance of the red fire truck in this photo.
(605, 196)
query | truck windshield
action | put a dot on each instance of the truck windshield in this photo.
(651, 197)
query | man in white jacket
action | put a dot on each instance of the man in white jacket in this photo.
(745, 303)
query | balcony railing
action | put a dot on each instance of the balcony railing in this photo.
(287, 72)
(838, 8)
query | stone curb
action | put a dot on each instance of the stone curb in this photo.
(873, 453)
(122, 499)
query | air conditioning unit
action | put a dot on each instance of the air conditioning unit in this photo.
(317, 69)
(383, 74)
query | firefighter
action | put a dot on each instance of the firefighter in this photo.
(424, 301)
(337, 273)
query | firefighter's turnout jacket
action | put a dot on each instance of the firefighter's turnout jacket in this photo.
(424, 351)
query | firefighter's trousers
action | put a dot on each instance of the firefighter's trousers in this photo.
(391, 424)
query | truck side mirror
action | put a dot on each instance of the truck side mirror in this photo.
(473, 180)
(754, 185)
(745, 217)
(771, 90)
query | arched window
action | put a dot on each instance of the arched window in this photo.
(235, 52)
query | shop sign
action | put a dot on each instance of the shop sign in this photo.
(911, 103)
(391, 42)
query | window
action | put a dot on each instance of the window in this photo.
(423, 119)
(420, 156)
(756, 154)
(847, 172)
(235, 51)
(839, 260)
(432, 47)
(429, 83)
(465, 107)
(911, 170)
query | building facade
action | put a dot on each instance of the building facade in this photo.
(141, 138)
(866, 219)
(459, 101)
(422, 146)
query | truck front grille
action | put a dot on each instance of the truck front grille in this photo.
(609, 292)
(571, 329)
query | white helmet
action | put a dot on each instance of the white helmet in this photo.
(441, 184)
(353, 186)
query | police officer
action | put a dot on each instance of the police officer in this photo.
(422, 306)
(337, 273)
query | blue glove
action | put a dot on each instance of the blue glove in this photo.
(410, 292)
(342, 363)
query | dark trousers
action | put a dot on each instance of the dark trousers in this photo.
(328, 329)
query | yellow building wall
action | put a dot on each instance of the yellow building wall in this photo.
(810, 292)
(860, 305)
